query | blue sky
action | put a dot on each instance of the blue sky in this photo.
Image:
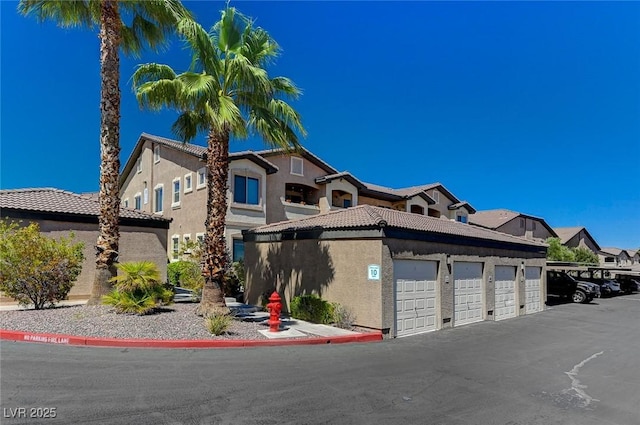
(529, 106)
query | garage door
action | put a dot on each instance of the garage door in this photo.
(505, 284)
(532, 285)
(467, 292)
(415, 283)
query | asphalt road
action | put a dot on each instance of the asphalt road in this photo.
(572, 364)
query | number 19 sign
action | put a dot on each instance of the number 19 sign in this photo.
(374, 272)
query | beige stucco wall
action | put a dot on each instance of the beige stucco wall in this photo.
(136, 244)
(513, 227)
(335, 270)
(326, 200)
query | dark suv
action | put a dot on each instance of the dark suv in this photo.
(561, 284)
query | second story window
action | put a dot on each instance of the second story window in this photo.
(188, 183)
(175, 201)
(297, 166)
(202, 178)
(139, 165)
(417, 209)
(158, 198)
(246, 190)
(156, 153)
(137, 201)
(436, 196)
(125, 203)
(461, 218)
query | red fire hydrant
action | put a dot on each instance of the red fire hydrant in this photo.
(275, 307)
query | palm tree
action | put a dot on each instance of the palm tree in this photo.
(150, 22)
(227, 93)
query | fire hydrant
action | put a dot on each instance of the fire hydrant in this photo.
(275, 307)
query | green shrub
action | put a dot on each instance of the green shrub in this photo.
(35, 269)
(312, 308)
(234, 279)
(138, 289)
(218, 322)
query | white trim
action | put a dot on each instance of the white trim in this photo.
(174, 192)
(139, 165)
(436, 196)
(301, 163)
(125, 202)
(175, 253)
(156, 154)
(159, 186)
(198, 235)
(199, 185)
(186, 237)
(188, 177)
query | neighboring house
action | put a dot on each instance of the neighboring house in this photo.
(634, 255)
(614, 256)
(574, 237)
(513, 223)
(59, 213)
(168, 178)
(397, 272)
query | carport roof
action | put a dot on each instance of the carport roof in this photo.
(365, 217)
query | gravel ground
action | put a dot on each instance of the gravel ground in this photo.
(177, 321)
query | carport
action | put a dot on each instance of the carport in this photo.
(398, 272)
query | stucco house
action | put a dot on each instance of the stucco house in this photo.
(614, 256)
(513, 223)
(398, 272)
(574, 237)
(167, 178)
(58, 213)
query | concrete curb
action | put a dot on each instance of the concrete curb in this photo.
(45, 338)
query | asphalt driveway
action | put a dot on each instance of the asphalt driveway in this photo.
(572, 364)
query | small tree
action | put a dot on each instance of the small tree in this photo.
(35, 269)
(585, 255)
(559, 252)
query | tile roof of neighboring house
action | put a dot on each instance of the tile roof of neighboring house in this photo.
(632, 252)
(409, 192)
(566, 233)
(493, 219)
(613, 251)
(462, 204)
(50, 200)
(367, 217)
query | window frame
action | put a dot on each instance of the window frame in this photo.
(125, 202)
(291, 166)
(158, 187)
(175, 247)
(233, 250)
(188, 177)
(137, 201)
(156, 154)
(237, 192)
(436, 196)
(139, 165)
(201, 171)
(176, 193)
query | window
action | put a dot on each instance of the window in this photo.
(522, 223)
(156, 154)
(306, 195)
(158, 198)
(238, 250)
(188, 183)
(339, 198)
(246, 190)
(200, 238)
(436, 196)
(202, 178)
(346, 203)
(139, 165)
(297, 166)
(186, 239)
(175, 246)
(175, 201)
(125, 203)
(417, 209)
(461, 218)
(137, 201)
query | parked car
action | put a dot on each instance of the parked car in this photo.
(561, 284)
(608, 287)
(627, 284)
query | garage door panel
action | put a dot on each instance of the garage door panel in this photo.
(468, 290)
(532, 289)
(505, 292)
(415, 296)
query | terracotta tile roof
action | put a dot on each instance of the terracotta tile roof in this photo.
(367, 217)
(492, 219)
(50, 200)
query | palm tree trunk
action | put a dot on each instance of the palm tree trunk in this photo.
(107, 244)
(215, 251)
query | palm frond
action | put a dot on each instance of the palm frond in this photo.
(286, 87)
(155, 95)
(151, 72)
(230, 117)
(65, 13)
(205, 55)
(189, 124)
(259, 48)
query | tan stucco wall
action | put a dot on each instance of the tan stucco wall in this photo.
(513, 228)
(326, 201)
(335, 270)
(581, 240)
(136, 244)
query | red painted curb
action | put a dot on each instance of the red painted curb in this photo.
(45, 338)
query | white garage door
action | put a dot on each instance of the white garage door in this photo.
(533, 286)
(505, 284)
(415, 296)
(467, 293)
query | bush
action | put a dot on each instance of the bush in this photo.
(343, 317)
(234, 280)
(312, 308)
(218, 322)
(35, 269)
(186, 274)
(138, 289)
